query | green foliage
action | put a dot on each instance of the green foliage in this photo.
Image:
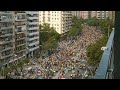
(94, 51)
(49, 37)
(106, 24)
(76, 27)
(20, 63)
(27, 61)
(92, 21)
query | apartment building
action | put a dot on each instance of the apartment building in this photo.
(102, 14)
(6, 37)
(32, 33)
(90, 14)
(76, 13)
(84, 14)
(19, 35)
(61, 21)
(93, 14)
(111, 14)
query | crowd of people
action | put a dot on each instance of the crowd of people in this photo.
(69, 51)
(68, 55)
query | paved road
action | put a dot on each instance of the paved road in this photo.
(67, 75)
(56, 76)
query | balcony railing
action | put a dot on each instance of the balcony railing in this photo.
(6, 48)
(5, 41)
(6, 55)
(105, 69)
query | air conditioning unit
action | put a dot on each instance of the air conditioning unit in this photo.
(104, 48)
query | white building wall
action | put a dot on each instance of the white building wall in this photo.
(55, 19)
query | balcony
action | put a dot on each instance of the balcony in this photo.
(34, 48)
(20, 38)
(18, 57)
(5, 35)
(4, 42)
(5, 49)
(18, 45)
(30, 39)
(105, 69)
(20, 17)
(31, 18)
(5, 56)
(6, 12)
(32, 12)
(6, 27)
(34, 33)
(19, 12)
(32, 28)
(6, 20)
(34, 43)
(33, 23)
(20, 23)
(22, 50)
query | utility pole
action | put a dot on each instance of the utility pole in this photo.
(108, 31)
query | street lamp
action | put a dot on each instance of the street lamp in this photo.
(16, 56)
(3, 70)
(40, 50)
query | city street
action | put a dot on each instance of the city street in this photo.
(69, 60)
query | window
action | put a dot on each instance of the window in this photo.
(48, 19)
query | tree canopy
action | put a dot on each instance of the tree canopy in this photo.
(92, 21)
(76, 27)
(94, 51)
(48, 37)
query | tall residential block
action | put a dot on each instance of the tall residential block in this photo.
(76, 13)
(32, 33)
(61, 21)
(19, 35)
(6, 37)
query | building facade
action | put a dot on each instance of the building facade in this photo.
(12, 37)
(91, 14)
(76, 13)
(61, 21)
(102, 14)
(6, 37)
(32, 33)
(19, 35)
(84, 14)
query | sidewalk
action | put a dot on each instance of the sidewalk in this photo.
(56, 76)
(1, 77)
